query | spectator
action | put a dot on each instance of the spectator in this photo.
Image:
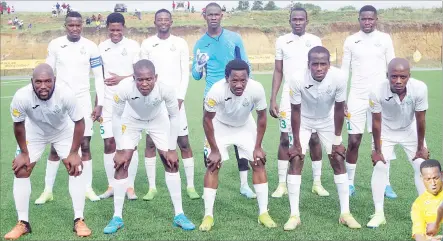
(57, 6)
(94, 18)
(10, 22)
(1, 8)
(9, 10)
(138, 14)
(99, 17)
(173, 5)
(30, 26)
(12, 9)
(88, 21)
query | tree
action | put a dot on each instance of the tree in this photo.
(270, 6)
(347, 8)
(243, 5)
(257, 5)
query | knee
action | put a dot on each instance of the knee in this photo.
(381, 167)
(110, 145)
(23, 173)
(258, 168)
(416, 164)
(315, 140)
(85, 146)
(53, 155)
(284, 141)
(184, 145)
(354, 142)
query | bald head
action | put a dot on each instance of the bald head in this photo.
(144, 76)
(144, 64)
(399, 64)
(43, 69)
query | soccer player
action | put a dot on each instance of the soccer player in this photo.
(398, 105)
(118, 54)
(170, 55)
(227, 116)
(291, 53)
(52, 116)
(72, 57)
(366, 54)
(427, 210)
(211, 54)
(317, 103)
(147, 100)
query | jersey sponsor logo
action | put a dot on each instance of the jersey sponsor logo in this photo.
(246, 102)
(16, 113)
(124, 52)
(35, 107)
(229, 98)
(308, 87)
(116, 99)
(389, 98)
(63, 46)
(291, 93)
(211, 102)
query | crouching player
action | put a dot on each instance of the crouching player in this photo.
(147, 100)
(52, 117)
(228, 121)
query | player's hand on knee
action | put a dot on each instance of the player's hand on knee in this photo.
(432, 229)
(120, 161)
(214, 161)
(273, 110)
(422, 153)
(73, 164)
(295, 151)
(259, 156)
(376, 157)
(172, 159)
(338, 151)
(21, 161)
(96, 113)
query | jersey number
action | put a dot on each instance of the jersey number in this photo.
(283, 124)
(349, 125)
(102, 130)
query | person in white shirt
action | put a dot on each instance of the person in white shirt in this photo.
(366, 54)
(291, 54)
(45, 113)
(73, 57)
(118, 54)
(398, 105)
(317, 102)
(170, 55)
(227, 120)
(153, 106)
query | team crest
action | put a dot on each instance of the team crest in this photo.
(245, 102)
(172, 47)
(16, 113)
(124, 52)
(377, 44)
(156, 101)
(308, 43)
(82, 50)
(408, 100)
(57, 109)
(329, 90)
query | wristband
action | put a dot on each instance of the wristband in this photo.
(337, 140)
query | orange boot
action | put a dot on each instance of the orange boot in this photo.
(21, 228)
(80, 228)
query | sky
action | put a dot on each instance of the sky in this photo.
(93, 6)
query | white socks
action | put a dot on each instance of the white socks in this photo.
(262, 196)
(378, 185)
(316, 170)
(173, 182)
(22, 193)
(188, 164)
(87, 173)
(388, 183)
(282, 166)
(77, 189)
(243, 178)
(109, 167)
(341, 181)
(417, 176)
(350, 169)
(209, 196)
(150, 170)
(132, 171)
(294, 182)
(120, 187)
(51, 174)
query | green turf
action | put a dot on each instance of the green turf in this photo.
(235, 216)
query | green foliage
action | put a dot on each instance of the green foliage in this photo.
(270, 6)
(257, 6)
(347, 8)
(307, 6)
(243, 5)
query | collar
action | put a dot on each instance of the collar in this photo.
(373, 33)
(216, 37)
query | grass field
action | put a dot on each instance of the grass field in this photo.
(235, 216)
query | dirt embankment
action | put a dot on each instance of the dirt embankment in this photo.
(407, 38)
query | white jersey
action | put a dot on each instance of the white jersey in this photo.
(45, 117)
(73, 62)
(293, 50)
(398, 114)
(317, 98)
(367, 57)
(231, 109)
(118, 58)
(171, 60)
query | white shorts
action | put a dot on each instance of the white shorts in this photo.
(184, 131)
(85, 105)
(106, 124)
(285, 111)
(36, 143)
(406, 138)
(157, 129)
(324, 128)
(243, 137)
(359, 115)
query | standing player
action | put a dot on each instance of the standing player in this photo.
(317, 103)
(170, 55)
(211, 54)
(118, 54)
(72, 57)
(147, 100)
(291, 52)
(366, 54)
(398, 107)
(50, 112)
(227, 116)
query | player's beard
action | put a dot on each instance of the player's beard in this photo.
(51, 91)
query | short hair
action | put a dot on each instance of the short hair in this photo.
(429, 164)
(115, 18)
(144, 64)
(318, 50)
(368, 8)
(162, 11)
(236, 64)
(298, 9)
(213, 4)
(73, 14)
